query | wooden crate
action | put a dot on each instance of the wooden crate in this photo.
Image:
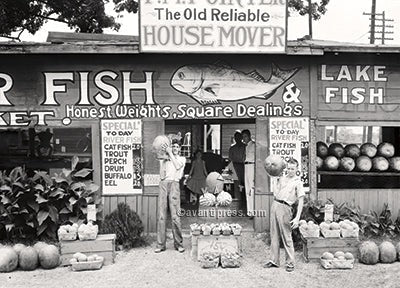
(215, 242)
(313, 248)
(104, 245)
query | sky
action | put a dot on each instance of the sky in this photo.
(344, 21)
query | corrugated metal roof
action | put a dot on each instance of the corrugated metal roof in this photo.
(84, 43)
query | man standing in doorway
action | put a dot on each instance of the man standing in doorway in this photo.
(171, 171)
(237, 154)
(249, 171)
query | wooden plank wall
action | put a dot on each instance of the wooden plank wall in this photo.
(366, 199)
(144, 205)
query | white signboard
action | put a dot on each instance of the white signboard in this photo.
(237, 26)
(289, 138)
(121, 156)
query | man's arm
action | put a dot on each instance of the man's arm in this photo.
(174, 158)
(295, 221)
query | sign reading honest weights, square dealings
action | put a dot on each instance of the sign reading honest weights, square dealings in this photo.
(225, 26)
(121, 147)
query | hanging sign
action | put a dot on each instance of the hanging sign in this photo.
(121, 156)
(289, 138)
(232, 26)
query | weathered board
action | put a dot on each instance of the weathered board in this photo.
(104, 246)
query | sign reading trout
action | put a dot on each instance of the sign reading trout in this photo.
(213, 83)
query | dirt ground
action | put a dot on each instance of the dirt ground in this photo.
(141, 267)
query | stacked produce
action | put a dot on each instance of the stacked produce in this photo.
(68, 232)
(309, 229)
(29, 258)
(230, 259)
(338, 260)
(215, 229)
(88, 231)
(329, 230)
(367, 157)
(80, 261)
(209, 259)
(207, 200)
(349, 229)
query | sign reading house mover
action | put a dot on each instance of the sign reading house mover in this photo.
(247, 26)
(121, 156)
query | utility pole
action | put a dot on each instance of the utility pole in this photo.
(383, 25)
(310, 19)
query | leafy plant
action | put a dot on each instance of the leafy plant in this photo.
(126, 224)
(34, 207)
(380, 225)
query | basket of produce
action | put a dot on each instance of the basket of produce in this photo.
(68, 232)
(226, 229)
(330, 230)
(236, 229)
(81, 262)
(215, 229)
(209, 259)
(206, 229)
(195, 229)
(339, 260)
(349, 229)
(230, 259)
(88, 231)
(309, 229)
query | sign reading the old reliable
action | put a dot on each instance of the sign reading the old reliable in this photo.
(226, 26)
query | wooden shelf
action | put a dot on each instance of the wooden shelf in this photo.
(357, 173)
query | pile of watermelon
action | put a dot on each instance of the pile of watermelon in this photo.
(386, 252)
(29, 257)
(351, 157)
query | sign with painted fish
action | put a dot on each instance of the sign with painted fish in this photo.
(213, 84)
(226, 26)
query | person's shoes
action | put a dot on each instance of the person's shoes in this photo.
(159, 250)
(289, 268)
(180, 249)
(270, 264)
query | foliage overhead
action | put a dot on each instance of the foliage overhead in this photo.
(301, 6)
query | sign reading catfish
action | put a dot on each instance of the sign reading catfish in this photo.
(213, 26)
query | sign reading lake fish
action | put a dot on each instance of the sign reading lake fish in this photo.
(235, 26)
(213, 84)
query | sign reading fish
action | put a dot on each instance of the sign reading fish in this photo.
(214, 83)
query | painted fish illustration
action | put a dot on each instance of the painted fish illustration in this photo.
(213, 83)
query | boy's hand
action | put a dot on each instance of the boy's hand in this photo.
(295, 223)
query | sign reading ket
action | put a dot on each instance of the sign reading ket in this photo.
(248, 26)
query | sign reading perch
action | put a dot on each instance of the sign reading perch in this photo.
(121, 156)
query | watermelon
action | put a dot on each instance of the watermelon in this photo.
(368, 149)
(387, 252)
(274, 165)
(380, 163)
(49, 257)
(320, 163)
(386, 150)
(28, 259)
(322, 149)
(224, 199)
(352, 151)
(157, 145)
(364, 163)
(398, 251)
(8, 259)
(215, 182)
(331, 163)
(336, 149)
(394, 164)
(369, 253)
(18, 247)
(39, 245)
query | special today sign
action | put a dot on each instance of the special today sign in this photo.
(244, 26)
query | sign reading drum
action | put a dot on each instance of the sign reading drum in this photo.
(248, 26)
